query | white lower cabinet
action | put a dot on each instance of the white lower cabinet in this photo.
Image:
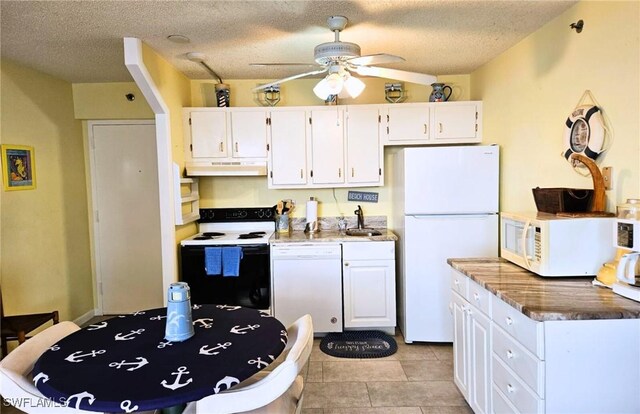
(369, 284)
(472, 353)
(506, 362)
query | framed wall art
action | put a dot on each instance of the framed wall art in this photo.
(18, 167)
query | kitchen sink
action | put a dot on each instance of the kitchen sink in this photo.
(366, 232)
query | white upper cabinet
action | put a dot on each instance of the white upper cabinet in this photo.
(433, 123)
(364, 153)
(288, 148)
(327, 145)
(225, 134)
(208, 132)
(248, 132)
(456, 122)
(407, 123)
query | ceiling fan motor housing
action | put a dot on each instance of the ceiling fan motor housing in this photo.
(326, 53)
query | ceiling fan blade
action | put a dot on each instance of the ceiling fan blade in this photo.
(300, 75)
(377, 59)
(402, 75)
(310, 65)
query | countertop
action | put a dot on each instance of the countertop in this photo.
(324, 236)
(546, 299)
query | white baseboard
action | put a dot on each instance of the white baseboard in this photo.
(81, 320)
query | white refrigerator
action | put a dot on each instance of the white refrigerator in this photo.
(445, 206)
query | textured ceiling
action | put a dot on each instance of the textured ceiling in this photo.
(81, 41)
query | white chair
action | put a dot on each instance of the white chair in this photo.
(278, 391)
(15, 369)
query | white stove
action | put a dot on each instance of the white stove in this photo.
(233, 226)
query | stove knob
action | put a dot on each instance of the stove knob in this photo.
(268, 213)
(260, 213)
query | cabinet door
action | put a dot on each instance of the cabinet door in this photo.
(288, 148)
(363, 146)
(455, 121)
(327, 146)
(409, 122)
(369, 293)
(479, 362)
(248, 133)
(460, 344)
(208, 134)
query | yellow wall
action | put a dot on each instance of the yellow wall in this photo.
(529, 91)
(252, 191)
(44, 243)
(107, 101)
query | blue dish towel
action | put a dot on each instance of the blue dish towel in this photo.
(213, 260)
(231, 261)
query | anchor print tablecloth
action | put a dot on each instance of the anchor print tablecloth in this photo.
(125, 365)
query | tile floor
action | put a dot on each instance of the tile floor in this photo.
(417, 379)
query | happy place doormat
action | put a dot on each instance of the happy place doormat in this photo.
(358, 344)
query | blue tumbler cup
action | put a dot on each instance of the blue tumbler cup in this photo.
(179, 323)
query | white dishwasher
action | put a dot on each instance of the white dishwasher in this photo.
(307, 278)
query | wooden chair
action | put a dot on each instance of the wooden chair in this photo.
(278, 391)
(16, 327)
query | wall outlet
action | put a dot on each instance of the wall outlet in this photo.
(606, 176)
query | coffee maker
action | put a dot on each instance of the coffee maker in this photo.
(627, 238)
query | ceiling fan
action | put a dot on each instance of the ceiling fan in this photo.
(340, 59)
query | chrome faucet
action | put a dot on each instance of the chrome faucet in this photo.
(360, 215)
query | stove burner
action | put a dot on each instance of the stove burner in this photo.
(201, 238)
(252, 235)
(212, 234)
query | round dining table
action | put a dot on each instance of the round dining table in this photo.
(124, 364)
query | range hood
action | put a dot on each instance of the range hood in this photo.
(230, 168)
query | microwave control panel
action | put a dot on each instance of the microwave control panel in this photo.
(628, 234)
(537, 244)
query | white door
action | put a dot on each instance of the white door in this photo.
(327, 146)
(455, 121)
(451, 180)
(428, 242)
(369, 293)
(208, 134)
(288, 148)
(124, 180)
(249, 133)
(408, 122)
(363, 146)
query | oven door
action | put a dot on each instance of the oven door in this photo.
(250, 289)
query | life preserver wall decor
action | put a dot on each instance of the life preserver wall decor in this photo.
(585, 132)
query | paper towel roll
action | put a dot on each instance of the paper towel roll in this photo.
(312, 210)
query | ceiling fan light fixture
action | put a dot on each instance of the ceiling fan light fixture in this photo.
(322, 90)
(354, 86)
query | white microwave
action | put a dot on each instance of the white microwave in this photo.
(556, 246)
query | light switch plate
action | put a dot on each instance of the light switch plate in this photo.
(606, 176)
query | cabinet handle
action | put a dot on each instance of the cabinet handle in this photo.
(456, 282)
(353, 172)
(236, 147)
(510, 388)
(476, 296)
(346, 264)
(334, 320)
(425, 129)
(340, 172)
(509, 354)
(440, 127)
(509, 321)
(301, 173)
(221, 147)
